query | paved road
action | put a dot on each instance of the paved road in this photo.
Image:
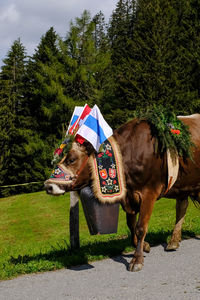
(166, 275)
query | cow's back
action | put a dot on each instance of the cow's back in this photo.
(143, 167)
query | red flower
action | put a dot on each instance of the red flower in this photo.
(174, 131)
(114, 181)
(103, 182)
(100, 154)
(58, 151)
(109, 154)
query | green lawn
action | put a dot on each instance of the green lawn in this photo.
(34, 233)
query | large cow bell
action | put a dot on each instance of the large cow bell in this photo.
(101, 218)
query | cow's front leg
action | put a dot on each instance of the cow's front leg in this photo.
(131, 220)
(146, 209)
(181, 208)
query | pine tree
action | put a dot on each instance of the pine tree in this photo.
(14, 105)
(120, 32)
(187, 98)
(6, 126)
(88, 47)
(100, 34)
(62, 74)
(146, 68)
(22, 156)
(39, 83)
(121, 29)
(51, 108)
(81, 45)
(13, 72)
(102, 64)
(162, 57)
(47, 101)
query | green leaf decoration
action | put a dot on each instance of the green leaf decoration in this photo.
(65, 146)
(169, 131)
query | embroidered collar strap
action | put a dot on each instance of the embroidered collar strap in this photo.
(107, 173)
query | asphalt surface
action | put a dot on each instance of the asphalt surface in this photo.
(165, 275)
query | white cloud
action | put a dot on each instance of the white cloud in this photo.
(30, 19)
(9, 14)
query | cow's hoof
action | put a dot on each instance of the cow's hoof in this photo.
(135, 267)
(146, 247)
(172, 246)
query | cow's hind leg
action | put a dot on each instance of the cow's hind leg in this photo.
(146, 209)
(131, 220)
(181, 207)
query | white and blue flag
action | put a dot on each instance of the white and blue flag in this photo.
(95, 129)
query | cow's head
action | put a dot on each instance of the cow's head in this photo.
(72, 172)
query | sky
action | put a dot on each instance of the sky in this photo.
(30, 19)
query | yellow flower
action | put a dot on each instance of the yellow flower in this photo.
(62, 146)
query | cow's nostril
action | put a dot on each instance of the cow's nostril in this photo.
(49, 189)
(54, 189)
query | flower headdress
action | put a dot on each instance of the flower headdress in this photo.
(62, 149)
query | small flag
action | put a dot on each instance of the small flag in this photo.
(76, 114)
(86, 110)
(95, 129)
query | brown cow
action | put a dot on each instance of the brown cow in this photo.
(146, 179)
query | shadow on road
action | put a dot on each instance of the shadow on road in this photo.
(82, 268)
(66, 257)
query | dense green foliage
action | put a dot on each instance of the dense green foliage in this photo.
(35, 233)
(148, 54)
(169, 131)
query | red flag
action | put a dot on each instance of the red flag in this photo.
(79, 121)
(85, 112)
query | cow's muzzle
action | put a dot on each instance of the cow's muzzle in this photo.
(59, 182)
(54, 189)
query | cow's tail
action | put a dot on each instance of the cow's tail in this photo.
(196, 200)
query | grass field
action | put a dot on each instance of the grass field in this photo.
(34, 233)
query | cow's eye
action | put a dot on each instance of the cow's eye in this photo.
(71, 160)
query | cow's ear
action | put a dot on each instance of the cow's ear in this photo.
(89, 148)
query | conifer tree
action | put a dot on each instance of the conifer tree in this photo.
(81, 45)
(120, 32)
(121, 29)
(100, 34)
(13, 72)
(187, 98)
(88, 47)
(22, 154)
(39, 83)
(102, 65)
(162, 57)
(47, 102)
(6, 126)
(12, 98)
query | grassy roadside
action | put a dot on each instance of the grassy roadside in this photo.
(34, 233)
